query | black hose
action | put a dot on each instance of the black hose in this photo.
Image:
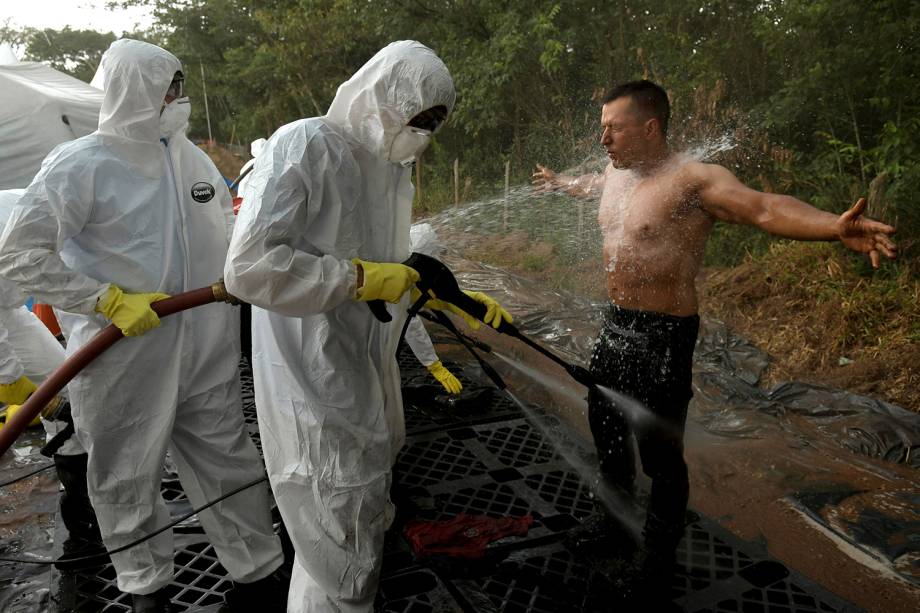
(103, 554)
(27, 475)
(445, 321)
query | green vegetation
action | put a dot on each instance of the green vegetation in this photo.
(823, 96)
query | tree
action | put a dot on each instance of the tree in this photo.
(76, 52)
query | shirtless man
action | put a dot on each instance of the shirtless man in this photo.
(657, 210)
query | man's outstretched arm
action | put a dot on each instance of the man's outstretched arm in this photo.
(586, 186)
(725, 197)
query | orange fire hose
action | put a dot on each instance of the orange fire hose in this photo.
(91, 350)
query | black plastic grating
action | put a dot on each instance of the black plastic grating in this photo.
(417, 590)
(171, 490)
(419, 419)
(492, 499)
(429, 462)
(704, 559)
(199, 581)
(468, 461)
(565, 491)
(782, 597)
(518, 445)
(540, 584)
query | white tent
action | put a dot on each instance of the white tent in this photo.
(39, 109)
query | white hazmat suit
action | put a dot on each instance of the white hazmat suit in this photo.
(327, 382)
(121, 206)
(27, 347)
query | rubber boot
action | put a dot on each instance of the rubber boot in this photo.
(268, 595)
(155, 602)
(83, 537)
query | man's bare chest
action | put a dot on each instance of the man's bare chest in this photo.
(648, 212)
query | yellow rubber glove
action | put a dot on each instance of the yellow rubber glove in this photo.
(384, 281)
(18, 391)
(494, 311)
(130, 312)
(445, 378)
(7, 413)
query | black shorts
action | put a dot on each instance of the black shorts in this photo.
(649, 357)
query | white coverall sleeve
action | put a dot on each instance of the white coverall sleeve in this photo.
(420, 343)
(54, 208)
(27, 347)
(268, 264)
(10, 366)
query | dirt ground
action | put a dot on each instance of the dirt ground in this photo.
(227, 162)
(722, 472)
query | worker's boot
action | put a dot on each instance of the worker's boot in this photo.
(83, 537)
(268, 595)
(155, 602)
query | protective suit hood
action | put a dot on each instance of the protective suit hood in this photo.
(401, 80)
(135, 76)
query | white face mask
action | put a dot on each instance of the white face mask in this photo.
(408, 145)
(174, 116)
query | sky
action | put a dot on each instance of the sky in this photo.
(78, 14)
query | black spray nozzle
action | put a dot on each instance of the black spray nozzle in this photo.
(437, 278)
(582, 375)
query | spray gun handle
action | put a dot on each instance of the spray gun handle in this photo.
(379, 309)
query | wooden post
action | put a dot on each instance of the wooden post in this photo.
(456, 181)
(507, 192)
(418, 181)
(207, 115)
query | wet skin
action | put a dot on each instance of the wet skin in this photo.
(657, 210)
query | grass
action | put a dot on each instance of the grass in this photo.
(824, 319)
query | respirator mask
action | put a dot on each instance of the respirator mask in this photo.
(409, 145)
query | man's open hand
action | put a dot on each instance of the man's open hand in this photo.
(544, 180)
(866, 235)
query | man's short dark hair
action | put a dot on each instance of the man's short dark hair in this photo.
(651, 99)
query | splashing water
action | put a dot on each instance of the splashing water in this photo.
(638, 415)
(708, 149)
(617, 504)
(533, 232)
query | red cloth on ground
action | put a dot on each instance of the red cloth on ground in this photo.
(464, 536)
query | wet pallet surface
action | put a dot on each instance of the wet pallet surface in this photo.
(483, 456)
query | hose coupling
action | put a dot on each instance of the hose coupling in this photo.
(221, 295)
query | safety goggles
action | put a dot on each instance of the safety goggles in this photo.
(176, 87)
(429, 119)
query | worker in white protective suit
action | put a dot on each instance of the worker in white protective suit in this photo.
(326, 215)
(423, 239)
(29, 353)
(114, 221)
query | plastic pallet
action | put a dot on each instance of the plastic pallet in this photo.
(496, 462)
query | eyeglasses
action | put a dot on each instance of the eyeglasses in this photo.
(176, 87)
